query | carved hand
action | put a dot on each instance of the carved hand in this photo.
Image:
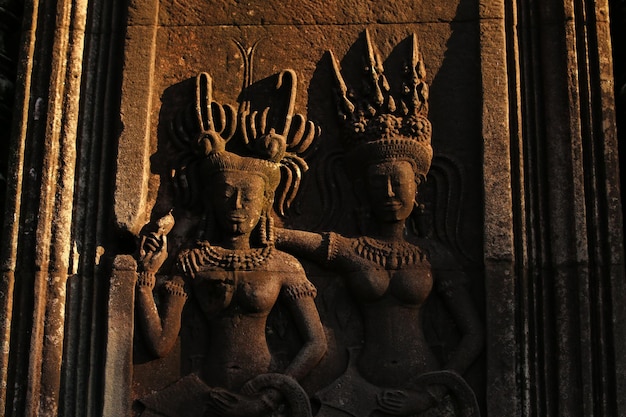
(152, 252)
(153, 246)
(224, 403)
(404, 403)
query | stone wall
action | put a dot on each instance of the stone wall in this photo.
(523, 190)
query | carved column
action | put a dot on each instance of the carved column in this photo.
(563, 327)
(37, 252)
(52, 294)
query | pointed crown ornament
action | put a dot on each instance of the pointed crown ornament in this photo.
(269, 142)
(383, 124)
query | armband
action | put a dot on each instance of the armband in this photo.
(299, 290)
(329, 242)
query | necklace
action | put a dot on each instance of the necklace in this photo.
(229, 259)
(389, 255)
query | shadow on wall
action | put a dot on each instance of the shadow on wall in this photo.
(617, 10)
(10, 22)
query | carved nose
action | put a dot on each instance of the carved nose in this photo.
(390, 192)
(237, 199)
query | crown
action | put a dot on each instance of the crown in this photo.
(383, 120)
(265, 139)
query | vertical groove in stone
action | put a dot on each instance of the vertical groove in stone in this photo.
(520, 201)
(11, 13)
(13, 201)
(616, 83)
(40, 238)
(54, 240)
(590, 296)
(86, 331)
(502, 344)
(23, 203)
(570, 162)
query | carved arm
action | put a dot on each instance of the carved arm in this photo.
(309, 325)
(461, 306)
(302, 243)
(160, 333)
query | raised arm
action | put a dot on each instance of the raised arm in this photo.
(160, 330)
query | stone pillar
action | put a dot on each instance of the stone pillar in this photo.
(563, 274)
(52, 294)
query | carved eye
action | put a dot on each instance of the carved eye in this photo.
(228, 191)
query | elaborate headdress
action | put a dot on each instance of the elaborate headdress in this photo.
(383, 122)
(212, 137)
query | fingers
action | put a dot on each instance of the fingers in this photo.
(153, 251)
(222, 400)
(189, 263)
(151, 243)
(391, 401)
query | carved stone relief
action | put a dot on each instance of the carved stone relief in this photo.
(131, 286)
(214, 269)
(386, 137)
(228, 165)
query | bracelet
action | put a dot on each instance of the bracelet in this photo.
(175, 289)
(329, 240)
(146, 279)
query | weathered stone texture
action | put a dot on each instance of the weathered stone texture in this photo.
(522, 109)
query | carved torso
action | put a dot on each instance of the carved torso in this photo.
(236, 298)
(390, 282)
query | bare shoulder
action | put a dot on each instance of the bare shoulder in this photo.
(294, 282)
(281, 261)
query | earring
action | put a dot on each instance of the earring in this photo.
(269, 231)
(266, 229)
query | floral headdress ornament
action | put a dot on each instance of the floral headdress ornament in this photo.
(381, 123)
(269, 142)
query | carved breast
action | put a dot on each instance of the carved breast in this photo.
(407, 286)
(246, 292)
(399, 270)
(411, 286)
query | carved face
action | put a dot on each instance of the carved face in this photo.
(391, 189)
(238, 200)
